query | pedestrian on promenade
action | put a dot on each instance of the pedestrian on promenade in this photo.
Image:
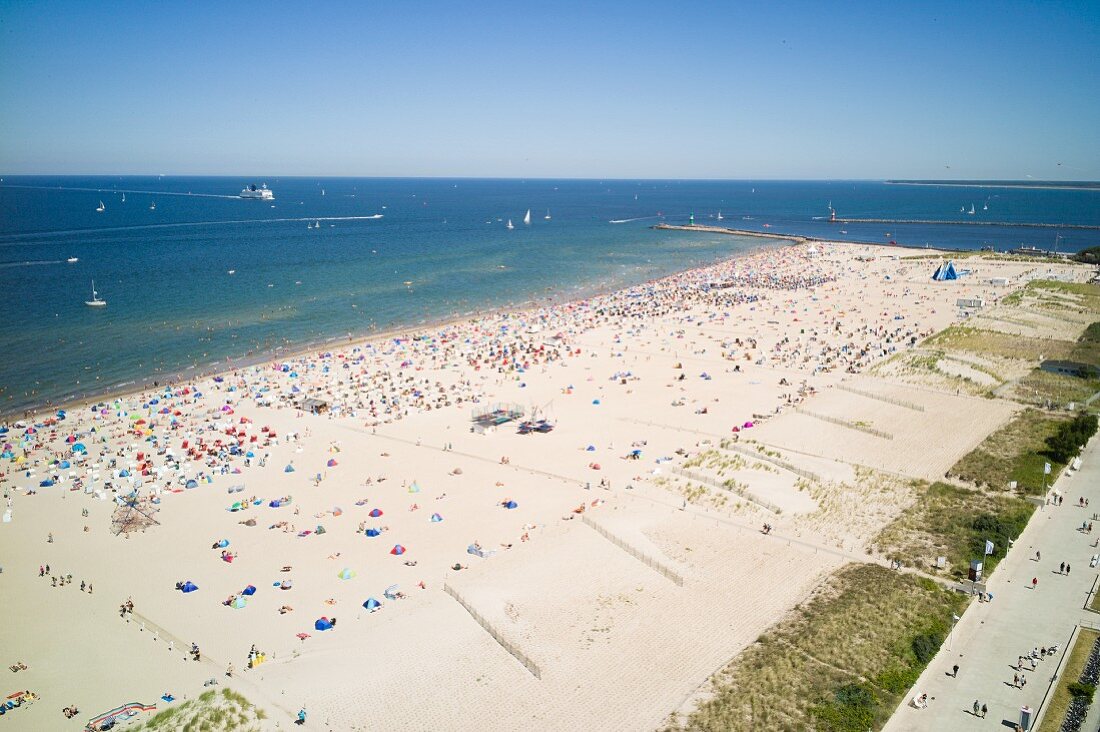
(985, 710)
(976, 707)
(955, 671)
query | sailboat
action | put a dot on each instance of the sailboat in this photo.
(547, 216)
(153, 206)
(101, 208)
(95, 302)
(322, 191)
(510, 226)
(985, 206)
(719, 215)
(527, 217)
(124, 198)
(971, 211)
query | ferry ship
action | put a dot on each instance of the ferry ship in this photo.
(263, 193)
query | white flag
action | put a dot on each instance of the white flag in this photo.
(1046, 468)
(988, 547)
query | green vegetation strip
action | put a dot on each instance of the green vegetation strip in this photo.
(1016, 452)
(1005, 345)
(211, 712)
(953, 522)
(840, 662)
(1071, 672)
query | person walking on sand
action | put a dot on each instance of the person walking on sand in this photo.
(1034, 582)
(985, 710)
(976, 707)
(955, 671)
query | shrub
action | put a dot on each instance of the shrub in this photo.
(852, 709)
(925, 646)
(1081, 689)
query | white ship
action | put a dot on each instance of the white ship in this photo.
(262, 193)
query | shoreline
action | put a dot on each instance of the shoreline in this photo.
(142, 384)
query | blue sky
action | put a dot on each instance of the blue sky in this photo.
(514, 89)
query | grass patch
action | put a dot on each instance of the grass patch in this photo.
(1004, 345)
(841, 661)
(1016, 451)
(1043, 388)
(953, 522)
(1071, 672)
(212, 711)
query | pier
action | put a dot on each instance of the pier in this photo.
(735, 232)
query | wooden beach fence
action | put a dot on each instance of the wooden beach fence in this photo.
(845, 423)
(491, 629)
(650, 561)
(707, 480)
(881, 397)
(778, 462)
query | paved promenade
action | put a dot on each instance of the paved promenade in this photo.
(987, 641)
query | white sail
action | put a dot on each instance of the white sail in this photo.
(101, 208)
(527, 217)
(510, 224)
(547, 216)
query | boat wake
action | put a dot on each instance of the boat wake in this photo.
(34, 263)
(181, 224)
(627, 221)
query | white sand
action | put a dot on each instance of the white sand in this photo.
(619, 644)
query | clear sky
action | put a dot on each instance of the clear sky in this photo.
(557, 89)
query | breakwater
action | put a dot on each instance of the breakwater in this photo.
(737, 232)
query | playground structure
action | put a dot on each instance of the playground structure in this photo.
(487, 418)
(130, 516)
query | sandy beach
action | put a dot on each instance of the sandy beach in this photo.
(592, 576)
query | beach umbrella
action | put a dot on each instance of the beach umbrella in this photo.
(372, 604)
(590, 448)
(372, 532)
(414, 488)
(288, 469)
(46, 483)
(191, 484)
(189, 586)
(331, 463)
(64, 464)
(346, 574)
(436, 518)
(595, 401)
(223, 543)
(250, 590)
(238, 603)
(322, 624)
(375, 512)
(391, 592)
(397, 550)
(510, 504)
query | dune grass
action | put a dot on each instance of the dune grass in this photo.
(840, 662)
(228, 711)
(954, 522)
(1017, 452)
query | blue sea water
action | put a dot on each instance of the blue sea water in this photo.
(173, 307)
